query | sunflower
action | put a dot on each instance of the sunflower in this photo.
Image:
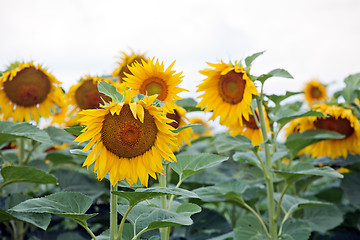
(250, 129)
(340, 120)
(130, 139)
(85, 95)
(180, 120)
(315, 92)
(228, 93)
(28, 91)
(206, 131)
(124, 63)
(151, 78)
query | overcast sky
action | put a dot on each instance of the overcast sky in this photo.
(309, 38)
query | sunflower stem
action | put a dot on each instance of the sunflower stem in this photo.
(113, 212)
(268, 174)
(164, 232)
(21, 151)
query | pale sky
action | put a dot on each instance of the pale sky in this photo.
(309, 38)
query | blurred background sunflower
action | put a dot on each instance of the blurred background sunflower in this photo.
(28, 92)
(315, 92)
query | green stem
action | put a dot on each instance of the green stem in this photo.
(164, 232)
(268, 174)
(90, 232)
(31, 151)
(173, 196)
(113, 212)
(257, 216)
(278, 207)
(122, 223)
(21, 151)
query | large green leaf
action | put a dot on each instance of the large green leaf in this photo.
(38, 219)
(147, 217)
(291, 176)
(142, 194)
(292, 203)
(67, 204)
(12, 174)
(296, 229)
(110, 90)
(225, 143)
(283, 116)
(350, 184)
(10, 130)
(188, 165)
(323, 218)
(59, 136)
(249, 228)
(297, 141)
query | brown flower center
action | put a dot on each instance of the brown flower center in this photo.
(154, 85)
(88, 97)
(340, 125)
(174, 116)
(231, 87)
(315, 92)
(125, 68)
(251, 123)
(126, 136)
(28, 88)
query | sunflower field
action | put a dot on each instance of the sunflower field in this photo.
(124, 157)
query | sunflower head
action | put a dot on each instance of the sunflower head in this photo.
(28, 91)
(85, 95)
(180, 120)
(228, 92)
(205, 128)
(340, 120)
(250, 128)
(315, 92)
(150, 77)
(124, 63)
(129, 138)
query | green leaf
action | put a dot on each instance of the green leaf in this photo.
(296, 229)
(142, 194)
(189, 104)
(297, 141)
(225, 143)
(274, 73)
(323, 218)
(60, 157)
(292, 204)
(12, 174)
(40, 220)
(350, 184)
(169, 191)
(73, 181)
(249, 228)
(110, 90)
(184, 127)
(291, 176)
(5, 216)
(75, 130)
(66, 204)
(188, 165)
(59, 136)
(10, 130)
(250, 59)
(284, 116)
(279, 98)
(149, 217)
